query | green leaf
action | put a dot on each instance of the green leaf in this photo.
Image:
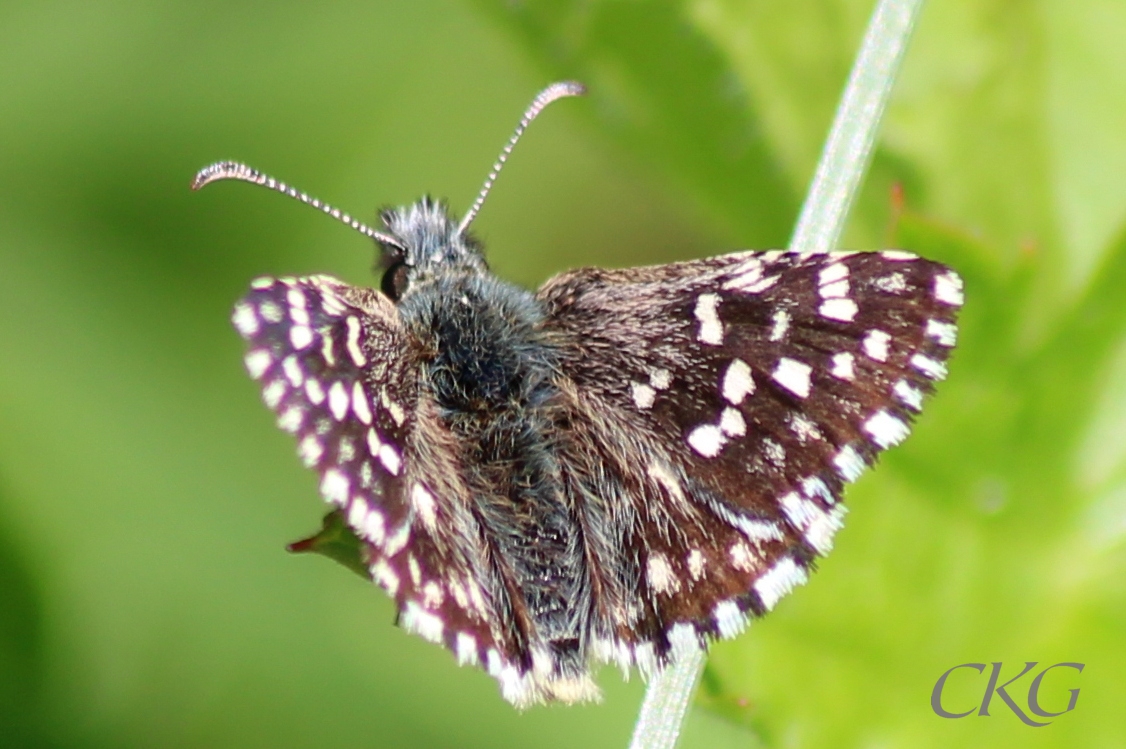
(337, 541)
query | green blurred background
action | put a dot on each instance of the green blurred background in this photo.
(145, 494)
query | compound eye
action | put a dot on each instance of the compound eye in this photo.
(395, 280)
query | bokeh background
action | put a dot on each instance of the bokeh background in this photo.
(145, 494)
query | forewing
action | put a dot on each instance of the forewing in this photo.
(756, 385)
(336, 368)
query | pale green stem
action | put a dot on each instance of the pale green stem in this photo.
(839, 175)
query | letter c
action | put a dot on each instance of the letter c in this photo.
(936, 694)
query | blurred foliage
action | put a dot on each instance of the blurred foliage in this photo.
(145, 495)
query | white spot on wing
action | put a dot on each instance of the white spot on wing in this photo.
(296, 298)
(432, 595)
(804, 429)
(659, 574)
(876, 344)
(345, 450)
(793, 375)
(374, 443)
(310, 450)
(392, 407)
(898, 255)
(357, 514)
(832, 273)
(334, 486)
(886, 430)
(747, 273)
(330, 304)
(415, 619)
(382, 573)
(774, 452)
(729, 620)
(944, 333)
(257, 362)
(932, 368)
(800, 511)
(466, 649)
(360, 403)
(493, 662)
(245, 320)
(817, 526)
(293, 371)
(643, 395)
(908, 394)
(695, 564)
(271, 312)
(891, 284)
(414, 569)
(424, 504)
(731, 423)
(838, 309)
(273, 393)
(707, 440)
(299, 315)
(849, 463)
(263, 282)
(948, 289)
(737, 382)
(780, 326)
(374, 528)
(338, 400)
(842, 366)
(778, 581)
(707, 313)
(742, 558)
(314, 392)
(397, 540)
(815, 487)
(761, 285)
(758, 531)
(353, 343)
(326, 348)
(662, 475)
(291, 418)
(836, 290)
(300, 336)
(820, 533)
(390, 459)
(660, 379)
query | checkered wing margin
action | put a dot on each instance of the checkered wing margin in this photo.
(335, 367)
(756, 385)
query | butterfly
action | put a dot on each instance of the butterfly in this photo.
(620, 467)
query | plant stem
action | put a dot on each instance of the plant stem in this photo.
(839, 175)
(848, 149)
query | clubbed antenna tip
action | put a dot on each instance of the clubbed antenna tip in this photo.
(236, 170)
(551, 93)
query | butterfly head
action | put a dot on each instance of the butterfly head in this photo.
(424, 241)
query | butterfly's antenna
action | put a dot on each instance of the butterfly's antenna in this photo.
(545, 97)
(236, 170)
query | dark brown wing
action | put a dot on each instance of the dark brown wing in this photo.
(754, 385)
(334, 366)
